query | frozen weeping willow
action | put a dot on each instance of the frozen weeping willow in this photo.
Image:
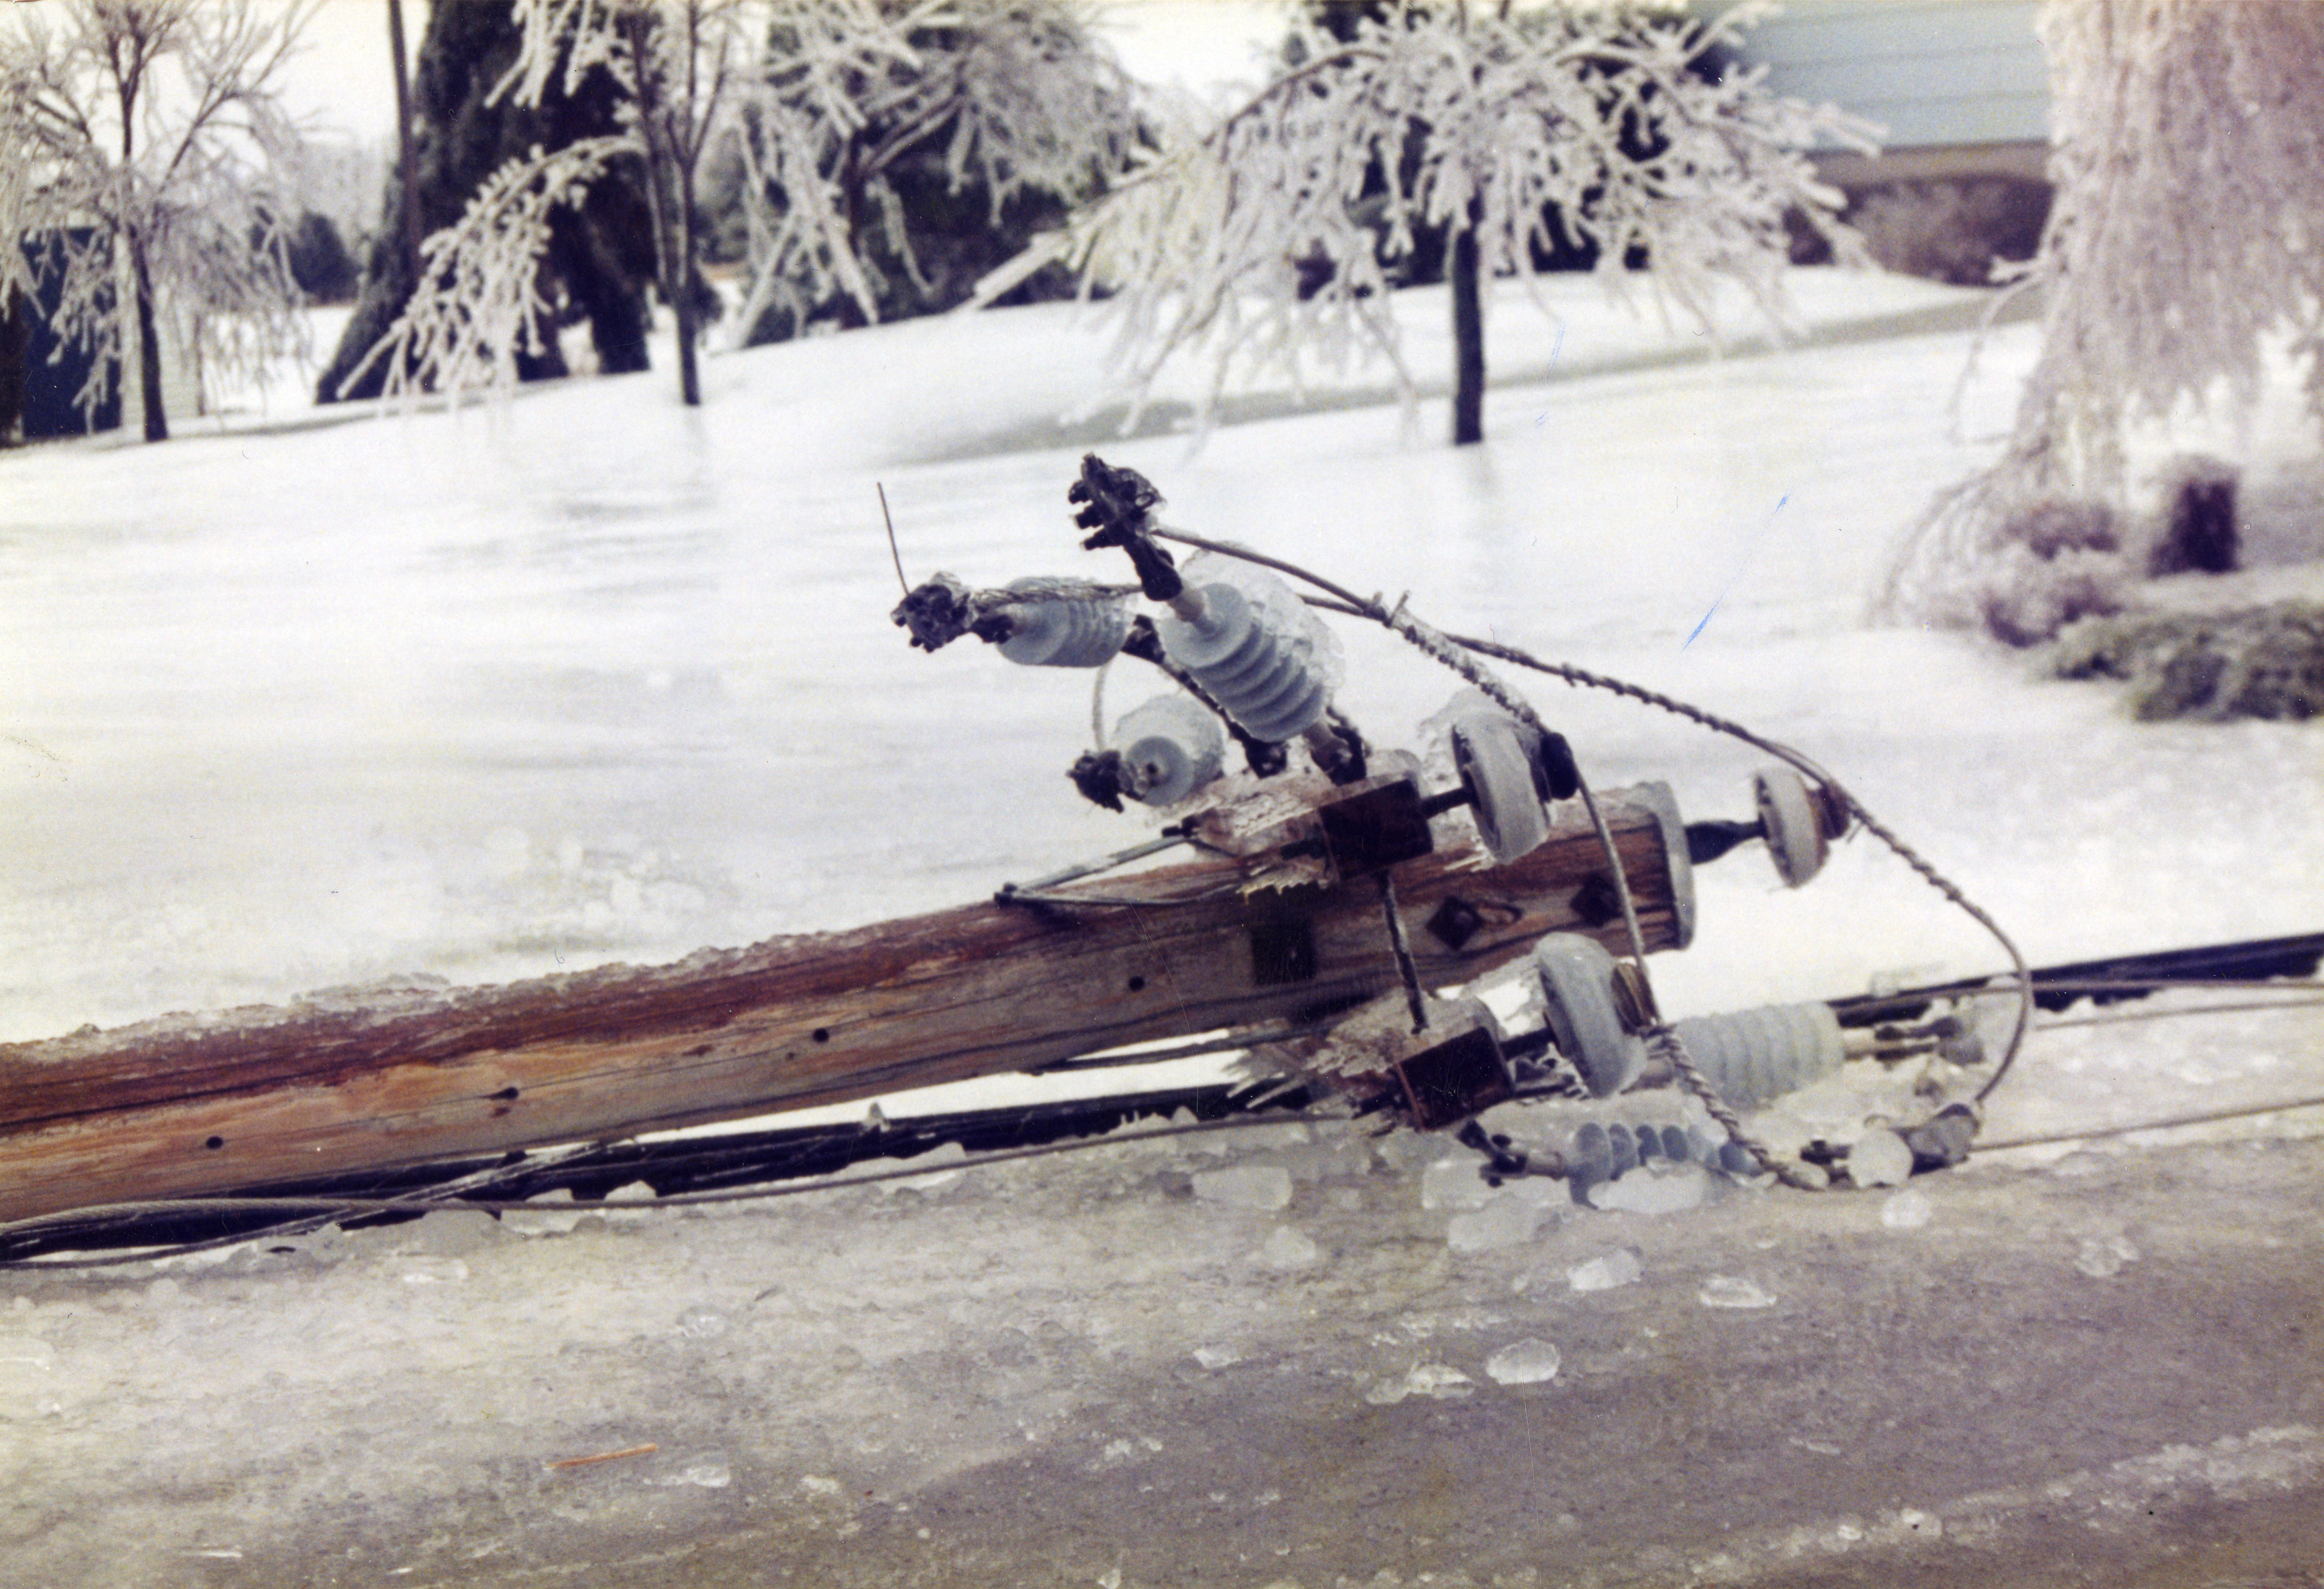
(820, 97)
(2186, 244)
(1275, 235)
(147, 178)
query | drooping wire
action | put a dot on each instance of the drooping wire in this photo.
(1442, 647)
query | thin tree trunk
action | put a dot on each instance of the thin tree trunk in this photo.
(409, 221)
(149, 347)
(689, 379)
(673, 237)
(1468, 336)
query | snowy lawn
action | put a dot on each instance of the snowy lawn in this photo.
(588, 678)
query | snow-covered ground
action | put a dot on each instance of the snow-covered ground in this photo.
(587, 678)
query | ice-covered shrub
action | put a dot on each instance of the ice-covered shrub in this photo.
(2258, 662)
(2046, 563)
(1950, 231)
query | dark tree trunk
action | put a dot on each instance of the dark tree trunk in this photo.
(1468, 337)
(667, 192)
(148, 348)
(406, 165)
(16, 313)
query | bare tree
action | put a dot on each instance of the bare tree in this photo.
(1275, 231)
(149, 157)
(2189, 164)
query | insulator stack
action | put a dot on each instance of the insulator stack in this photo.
(1266, 660)
(1756, 1056)
(1170, 747)
(1065, 623)
(1604, 1151)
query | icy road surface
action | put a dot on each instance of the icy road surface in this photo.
(592, 678)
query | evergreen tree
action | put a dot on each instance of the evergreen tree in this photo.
(597, 254)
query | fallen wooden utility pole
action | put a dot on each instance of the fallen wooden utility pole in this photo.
(349, 1083)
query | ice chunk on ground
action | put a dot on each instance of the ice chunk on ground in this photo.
(2101, 1256)
(1441, 1380)
(1217, 1357)
(1454, 1183)
(540, 1217)
(702, 1322)
(1604, 1273)
(1288, 1249)
(1523, 1363)
(1265, 1187)
(1880, 1158)
(1505, 1222)
(1726, 1290)
(950, 1154)
(1658, 1190)
(1907, 1210)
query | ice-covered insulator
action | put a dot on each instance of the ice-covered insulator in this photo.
(1504, 795)
(1624, 1143)
(1170, 747)
(1065, 623)
(1577, 990)
(1754, 1055)
(1263, 660)
(1794, 827)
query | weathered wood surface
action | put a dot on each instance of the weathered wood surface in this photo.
(334, 1085)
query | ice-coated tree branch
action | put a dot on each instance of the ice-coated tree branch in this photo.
(1273, 234)
(484, 306)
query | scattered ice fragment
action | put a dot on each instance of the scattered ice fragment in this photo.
(1880, 1158)
(1654, 1191)
(708, 1473)
(1505, 1222)
(1217, 1357)
(943, 1163)
(536, 1219)
(817, 1484)
(1726, 1290)
(1441, 1380)
(1606, 1272)
(2100, 1256)
(1907, 1210)
(1265, 1187)
(1523, 1362)
(1455, 1183)
(455, 1232)
(702, 1322)
(1781, 1132)
(1289, 1249)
